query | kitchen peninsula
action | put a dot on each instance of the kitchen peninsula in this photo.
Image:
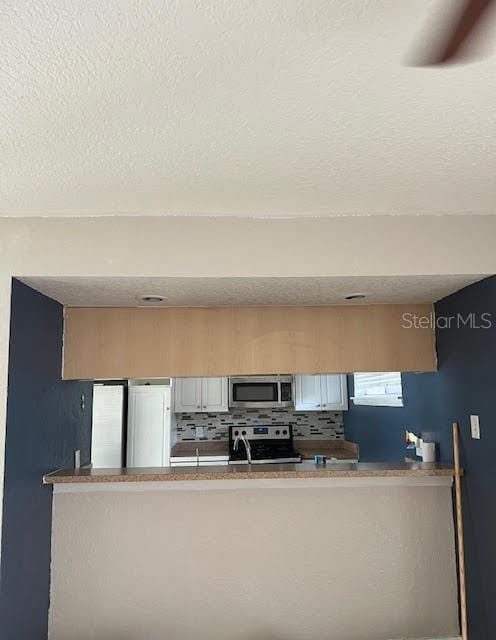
(203, 538)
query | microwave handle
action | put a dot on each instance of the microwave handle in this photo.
(279, 390)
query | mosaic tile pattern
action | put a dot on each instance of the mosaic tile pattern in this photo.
(316, 425)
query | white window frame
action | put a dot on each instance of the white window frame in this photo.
(376, 400)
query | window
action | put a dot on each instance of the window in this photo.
(379, 389)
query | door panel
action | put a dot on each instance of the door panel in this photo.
(308, 393)
(335, 392)
(188, 395)
(149, 427)
(214, 394)
(107, 429)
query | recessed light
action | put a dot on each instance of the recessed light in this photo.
(355, 296)
(153, 299)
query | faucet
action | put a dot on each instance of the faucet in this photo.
(246, 442)
(248, 448)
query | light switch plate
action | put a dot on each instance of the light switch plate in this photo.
(475, 427)
(199, 432)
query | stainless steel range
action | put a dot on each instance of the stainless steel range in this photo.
(262, 445)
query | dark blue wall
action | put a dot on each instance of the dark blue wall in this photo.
(465, 384)
(380, 431)
(45, 424)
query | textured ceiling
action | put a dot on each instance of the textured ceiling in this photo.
(237, 108)
(199, 292)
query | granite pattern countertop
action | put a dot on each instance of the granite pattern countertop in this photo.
(243, 472)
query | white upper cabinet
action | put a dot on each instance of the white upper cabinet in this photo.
(148, 441)
(308, 393)
(335, 392)
(196, 395)
(187, 395)
(328, 392)
(214, 394)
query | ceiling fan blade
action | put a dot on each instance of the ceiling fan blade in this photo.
(470, 18)
(464, 30)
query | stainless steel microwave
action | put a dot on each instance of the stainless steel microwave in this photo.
(264, 392)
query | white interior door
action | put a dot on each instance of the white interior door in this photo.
(335, 392)
(214, 394)
(187, 395)
(148, 443)
(107, 425)
(308, 393)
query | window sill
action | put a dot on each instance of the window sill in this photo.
(378, 401)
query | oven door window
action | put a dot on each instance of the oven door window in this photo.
(255, 392)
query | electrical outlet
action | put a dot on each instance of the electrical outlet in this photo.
(199, 432)
(77, 458)
(475, 427)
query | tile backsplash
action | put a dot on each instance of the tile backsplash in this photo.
(314, 425)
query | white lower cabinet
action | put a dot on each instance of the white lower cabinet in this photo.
(197, 395)
(148, 429)
(321, 392)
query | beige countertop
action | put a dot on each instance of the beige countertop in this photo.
(243, 472)
(340, 449)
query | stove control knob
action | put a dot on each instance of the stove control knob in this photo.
(277, 432)
(243, 433)
(236, 433)
(284, 433)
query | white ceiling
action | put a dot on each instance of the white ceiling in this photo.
(211, 292)
(238, 108)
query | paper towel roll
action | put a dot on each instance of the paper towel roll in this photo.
(428, 451)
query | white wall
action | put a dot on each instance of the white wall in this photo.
(254, 564)
(382, 245)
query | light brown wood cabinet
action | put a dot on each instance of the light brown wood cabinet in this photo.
(202, 342)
